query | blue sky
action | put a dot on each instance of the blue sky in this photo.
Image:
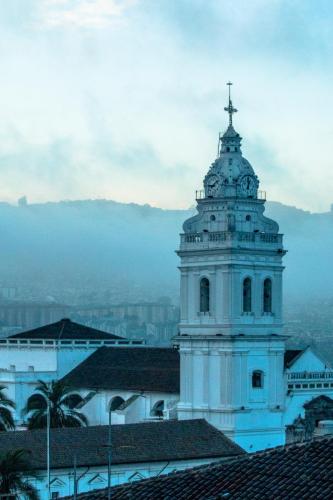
(124, 99)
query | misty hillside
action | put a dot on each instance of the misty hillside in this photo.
(98, 243)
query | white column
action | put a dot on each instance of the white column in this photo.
(184, 296)
(226, 294)
(206, 379)
(223, 379)
(277, 296)
(214, 386)
(192, 302)
(257, 295)
(244, 380)
(198, 378)
(218, 296)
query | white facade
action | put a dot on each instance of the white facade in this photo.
(308, 378)
(231, 341)
(138, 407)
(25, 361)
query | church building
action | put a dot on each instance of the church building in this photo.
(229, 363)
(231, 338)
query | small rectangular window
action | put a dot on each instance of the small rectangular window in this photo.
(297, 386)
(257, 379)
(305, 386)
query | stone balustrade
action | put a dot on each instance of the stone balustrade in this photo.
(322, 375)
(201, 195)
(31, 343)
(227, 238)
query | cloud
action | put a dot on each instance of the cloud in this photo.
(133, 113)
(82, 13)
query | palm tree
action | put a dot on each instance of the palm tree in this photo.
(6, 416)
(14, 466)
(62, 405)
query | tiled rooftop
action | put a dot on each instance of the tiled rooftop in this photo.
(152, 369)
(295, 472)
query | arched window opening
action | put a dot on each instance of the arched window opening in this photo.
(116, 402)
(157, 409)
(73, 400)
(248, 218)
(257, 379)
(36, 402)
(268, 295)
(247, 295)
(204, 295)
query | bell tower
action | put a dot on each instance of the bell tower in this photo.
(230, 335)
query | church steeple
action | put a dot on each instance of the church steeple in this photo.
(230, 342)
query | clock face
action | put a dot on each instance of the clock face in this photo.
(212, 185)
(248, 185)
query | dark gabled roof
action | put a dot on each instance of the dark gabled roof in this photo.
(295, 472)
(128, 368)
(290, 356)
(131, 443)
(65, 329)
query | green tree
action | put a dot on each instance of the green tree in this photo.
(14, 467)
(6, 407)
(62, 403)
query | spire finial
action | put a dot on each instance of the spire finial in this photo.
(230, 109)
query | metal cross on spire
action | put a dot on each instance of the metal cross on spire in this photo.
(230, 109)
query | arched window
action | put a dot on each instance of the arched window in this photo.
(257, 379)
(116, 402)
(157, 409)
(267, 298)
(247, 295)
(204, 295)
(74, 400)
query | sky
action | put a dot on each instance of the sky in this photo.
(123, 99)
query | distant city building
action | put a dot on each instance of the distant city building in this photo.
(30, 314)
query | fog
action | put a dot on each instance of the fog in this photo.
(98, 243)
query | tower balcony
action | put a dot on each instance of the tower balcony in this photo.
(228, 239)
(201, 195)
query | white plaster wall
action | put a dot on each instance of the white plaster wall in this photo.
(295, 402)
(96, 410)
(63, 482)
(216, 384)
(308, 361)
(43, 359)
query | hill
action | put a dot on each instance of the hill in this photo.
(100, 243)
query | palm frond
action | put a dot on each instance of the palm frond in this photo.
(6, 419)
